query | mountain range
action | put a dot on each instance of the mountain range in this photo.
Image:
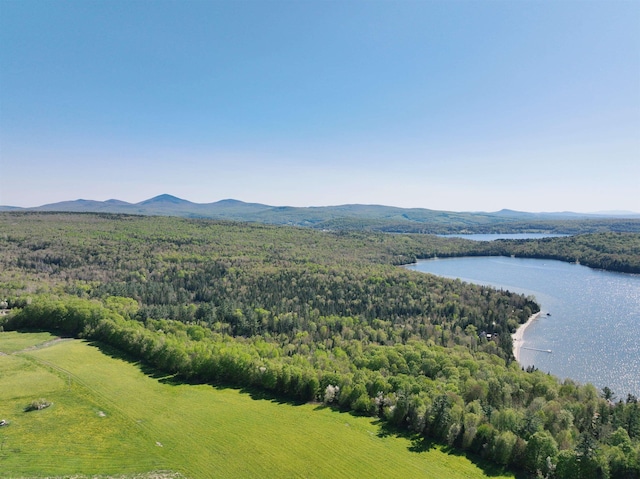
(356, 216)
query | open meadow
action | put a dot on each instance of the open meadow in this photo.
(111, 417)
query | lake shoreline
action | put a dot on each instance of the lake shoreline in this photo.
(518, 336)
(594, 332)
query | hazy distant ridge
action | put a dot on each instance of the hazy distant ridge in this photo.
(356, 216)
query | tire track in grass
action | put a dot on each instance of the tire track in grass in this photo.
(46, 344)
(160, 437)
(96, 397)
(208, 433)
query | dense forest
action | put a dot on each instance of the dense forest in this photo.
(610, 251)
(326, 316)
(459, 224)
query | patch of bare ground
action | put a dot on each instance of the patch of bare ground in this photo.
(44, 345)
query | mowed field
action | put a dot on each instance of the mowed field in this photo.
(111, 418)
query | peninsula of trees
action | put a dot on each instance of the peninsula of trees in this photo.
(326, 316)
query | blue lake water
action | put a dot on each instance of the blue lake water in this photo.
(495, 236)
(594, 323)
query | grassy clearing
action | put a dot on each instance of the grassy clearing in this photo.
(109, 417)
(145, 475)
(12, 341)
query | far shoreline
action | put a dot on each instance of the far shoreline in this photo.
(518, 336)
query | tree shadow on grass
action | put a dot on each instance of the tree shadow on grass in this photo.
(177, 380)
(262, 395)
(147, 369)
(419, 444)
(491, 469)
(321, 406)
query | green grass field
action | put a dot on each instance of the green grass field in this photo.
(110, 418)
(12, 341)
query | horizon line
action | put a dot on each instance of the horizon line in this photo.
(168, 195)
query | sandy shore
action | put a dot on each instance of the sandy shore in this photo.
(519, 334)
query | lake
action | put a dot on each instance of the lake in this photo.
(495, 236)
(593, 329)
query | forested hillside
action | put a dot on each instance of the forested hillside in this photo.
(608, 250)
(358, 217)
(325, 316)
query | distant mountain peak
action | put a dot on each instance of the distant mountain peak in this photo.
(349, 216)
(165, 198)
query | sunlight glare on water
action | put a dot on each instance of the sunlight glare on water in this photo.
(594, 324)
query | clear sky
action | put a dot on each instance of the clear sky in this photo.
(448, 105)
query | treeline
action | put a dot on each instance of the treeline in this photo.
(471, 401)
(461, 223)
(325, 316)
(610, 251)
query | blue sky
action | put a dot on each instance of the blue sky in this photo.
(449, 105)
